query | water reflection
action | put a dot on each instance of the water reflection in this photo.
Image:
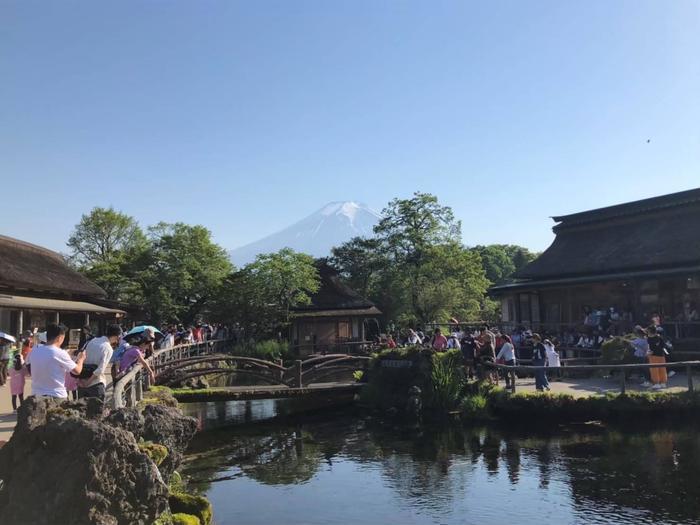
(358, 471)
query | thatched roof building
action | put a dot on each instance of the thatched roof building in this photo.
(335, 317)
(641, 257)
(38, 287)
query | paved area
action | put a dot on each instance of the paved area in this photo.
(579, 387)
(7, 416)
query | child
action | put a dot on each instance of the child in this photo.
(18, 373)
(72, 382)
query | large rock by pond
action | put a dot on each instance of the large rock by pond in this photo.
(67, 464)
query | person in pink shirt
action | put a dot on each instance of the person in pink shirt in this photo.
(72, 383)
(134, 354)
(439, 341)
(18, 374)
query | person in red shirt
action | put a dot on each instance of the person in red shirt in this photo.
(439, 341)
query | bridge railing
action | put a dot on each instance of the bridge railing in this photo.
(128, 389)
(621, 370)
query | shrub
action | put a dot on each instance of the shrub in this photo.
(267, 350)
(617, 350)
(447, 380)
(474, 407)
(189, 504)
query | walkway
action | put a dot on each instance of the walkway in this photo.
(7, 416)
(582, 387)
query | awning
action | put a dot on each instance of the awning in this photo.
(349, 312)
(17, 302)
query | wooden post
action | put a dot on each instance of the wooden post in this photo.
(689, 371)
(20, 322)
(622, 382)
(138, 388)
(298, 374)
(131, 398)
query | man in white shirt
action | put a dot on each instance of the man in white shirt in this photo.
(98, 352)
(49, 363)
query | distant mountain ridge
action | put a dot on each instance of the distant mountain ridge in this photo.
(331, 225)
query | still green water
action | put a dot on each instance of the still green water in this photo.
(352, 470)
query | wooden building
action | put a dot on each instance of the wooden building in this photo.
(641, 258)
(37, 287)
(336, 319)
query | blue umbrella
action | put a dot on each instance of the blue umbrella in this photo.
(138, 330)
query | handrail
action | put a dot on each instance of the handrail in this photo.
(134, 379)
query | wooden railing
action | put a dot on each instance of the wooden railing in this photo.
(622, 370)
(128, 389)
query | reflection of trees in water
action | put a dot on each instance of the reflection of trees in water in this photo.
(656, 472)
(606, 470)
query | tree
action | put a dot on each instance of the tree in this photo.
(358, 261)
(102, 244)
(502, 261)
(262, 294)
(181, 272)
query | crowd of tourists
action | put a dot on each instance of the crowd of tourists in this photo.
(486, 345)
(84, 371)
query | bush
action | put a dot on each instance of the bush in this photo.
(189, 504)
(474, 407)
(447, 379)
(268, 350)
(617, 350)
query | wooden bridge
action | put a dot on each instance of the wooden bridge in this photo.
(213, 358)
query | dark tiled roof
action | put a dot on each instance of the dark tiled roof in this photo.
(658, 233)
(29, 267)
(663, 202)
(333, 294)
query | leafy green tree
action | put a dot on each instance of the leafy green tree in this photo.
(181, 272)
(262, 294)
(102, 245)
(358, 261)
(502, 261)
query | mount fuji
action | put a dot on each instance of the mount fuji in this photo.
(315, 235)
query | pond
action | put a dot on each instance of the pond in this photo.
(353, 470)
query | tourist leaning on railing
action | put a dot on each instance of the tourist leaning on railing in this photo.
(135, 354)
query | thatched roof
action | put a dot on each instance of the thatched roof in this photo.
(334, 295)
(651, 234)
(24, 266)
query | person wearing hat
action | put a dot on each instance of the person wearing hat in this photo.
(135, 354)
(98, 351)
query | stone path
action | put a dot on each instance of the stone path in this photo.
(579, 387)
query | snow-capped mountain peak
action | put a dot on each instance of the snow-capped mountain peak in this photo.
(330, 226)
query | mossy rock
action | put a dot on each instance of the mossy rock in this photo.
(190, 504)
(158, 395)
(180, 518)
(156, 452)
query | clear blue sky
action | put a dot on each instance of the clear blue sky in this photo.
(245, 117)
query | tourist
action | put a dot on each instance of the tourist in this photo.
(27, 344)
(413, 337)
(48, 364)
(5, 351)
(390, 343)
(169, 339)
(539, 359)
(453, 343)
(98, 352)
(72, 381)
(553, 360)
(657, 347)
(641, 352)
(85, 336)
(439, 341)
(135, 354)
(486, 356)
(506, 355)
(18, 373)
